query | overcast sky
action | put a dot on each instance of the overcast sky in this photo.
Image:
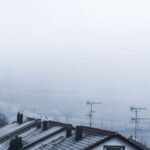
(55, 55)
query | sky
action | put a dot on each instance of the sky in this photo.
(56, 55)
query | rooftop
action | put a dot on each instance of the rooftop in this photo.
(47, 135)
(29, 132)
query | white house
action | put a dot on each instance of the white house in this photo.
(86, 138)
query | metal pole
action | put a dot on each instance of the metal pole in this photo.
(91, 111)
(136, 119)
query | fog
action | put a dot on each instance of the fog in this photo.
(56, 55)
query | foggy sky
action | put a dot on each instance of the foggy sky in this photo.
(56, 55)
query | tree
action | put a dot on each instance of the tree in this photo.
(3, 120)
(16, 144)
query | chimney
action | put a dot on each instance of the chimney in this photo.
(79, 133)
(39, 124)
(69, 131)
(19, 118)
(45, 125)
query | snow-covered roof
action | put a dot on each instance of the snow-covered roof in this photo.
(29, 137)
(71, 144)
(15, 129)
(91, 138)
(36, 137)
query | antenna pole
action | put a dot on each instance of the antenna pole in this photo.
(136, 119)
(136, 123)
(91, 111)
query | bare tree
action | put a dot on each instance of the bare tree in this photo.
(3, 120)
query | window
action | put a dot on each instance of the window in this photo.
(114, 147)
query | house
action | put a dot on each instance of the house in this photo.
(35, 134)
(16, 128)
(31, 131)
(86, 138)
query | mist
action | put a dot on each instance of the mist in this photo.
(54, 56)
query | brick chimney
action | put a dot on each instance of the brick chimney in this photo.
(79, 133)
(68, 131)
(19, 118)
(45, 125)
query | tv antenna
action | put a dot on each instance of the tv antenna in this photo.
(136, 119)
(91, 111)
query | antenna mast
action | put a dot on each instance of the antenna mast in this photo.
(91, 111)
(136, 119)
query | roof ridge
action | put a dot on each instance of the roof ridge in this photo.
(99, 131)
